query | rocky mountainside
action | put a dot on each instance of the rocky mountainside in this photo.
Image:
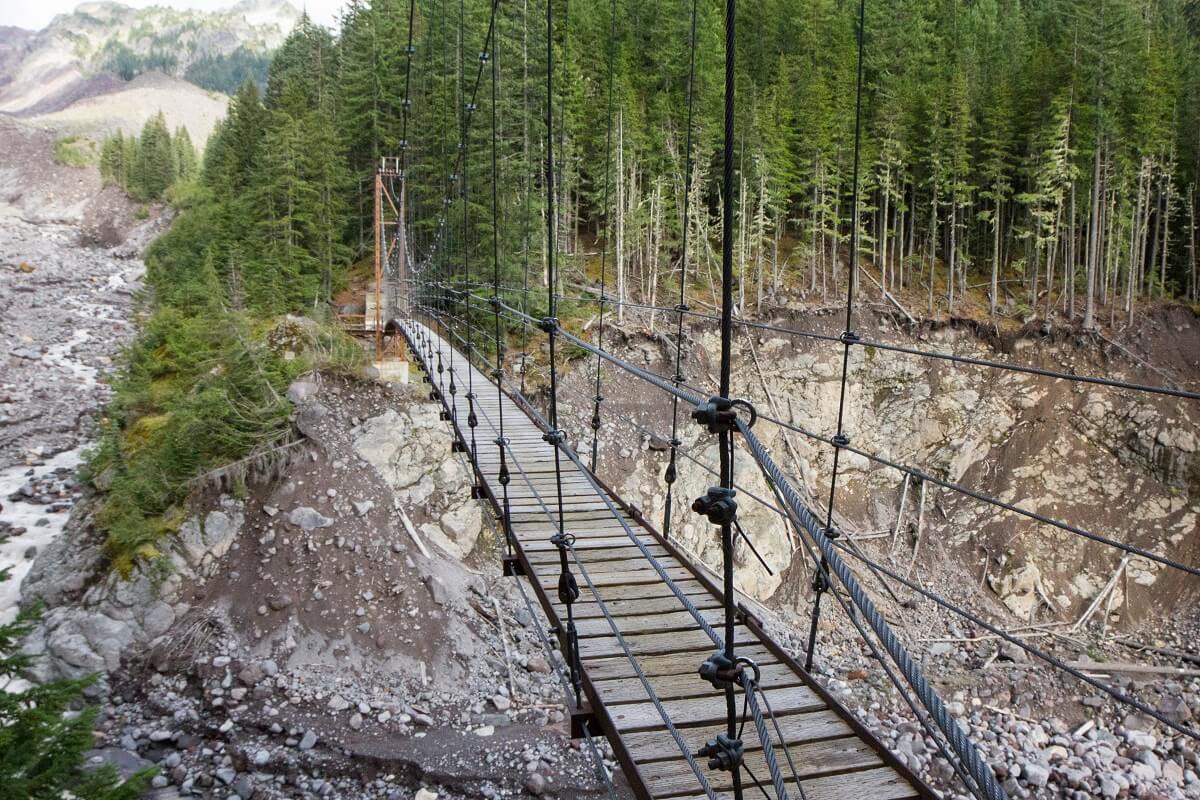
(46, 71)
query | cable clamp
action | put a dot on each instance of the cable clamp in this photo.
(407, 104)
(494, 302)
(840, 440)
(410, 50)
(671, 473)
(724, 753)
(549, 325)
(850, 337)
(483, 56)
(719, 670)
(717, 505)
(555, 437)
(497, 373)
(682, 307)
(719, 416)
(472, 420)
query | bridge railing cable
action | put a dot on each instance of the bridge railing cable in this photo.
(692, 395)
(962, 763)
(701, 621)
(1116, 694)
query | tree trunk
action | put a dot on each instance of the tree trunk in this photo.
(620, 209)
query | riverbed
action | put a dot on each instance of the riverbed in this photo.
(65, 312)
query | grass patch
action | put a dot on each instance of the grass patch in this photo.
(75, 151)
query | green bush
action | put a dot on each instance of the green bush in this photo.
(42, 741)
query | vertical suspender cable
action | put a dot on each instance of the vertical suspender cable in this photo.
(528, 170)
(568, 588)
(472, 420)
(840, 440)
(450, 271)
(612, 37)
(502, 474)
(671, 472)
(726, 435)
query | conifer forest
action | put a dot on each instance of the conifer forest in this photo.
(1031, 158)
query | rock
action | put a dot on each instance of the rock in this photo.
(126, 763)
(356, 721)
(501, 702)
(279, 601)
(1035, 774)
(221, 662)
(535, 784)
(301, 391)
(308, 741)
(270, 668)
(261, 758)
(539, 665)
(1175, 708)
(338, 703)
(226, 775)
(425, 794)
(363, 507)
(1018, 589)
(307, 518)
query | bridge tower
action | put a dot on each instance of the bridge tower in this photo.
(383, 304)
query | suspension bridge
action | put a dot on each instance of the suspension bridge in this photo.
(656, 654)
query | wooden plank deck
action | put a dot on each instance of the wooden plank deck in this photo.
(835, 756)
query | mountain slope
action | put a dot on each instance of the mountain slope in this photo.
(44, 72)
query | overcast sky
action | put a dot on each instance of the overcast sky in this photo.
(35, 15)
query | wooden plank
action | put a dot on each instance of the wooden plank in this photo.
(599, 567)
(536, 546)
(674, 687)
(651, 746)
(642, 591)
(653, 643)
(641, 607)
(601, 669)
(596, 554)
(625, 577)
(811, 759)
(881, 783)
(703, 711)
(648, 623)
